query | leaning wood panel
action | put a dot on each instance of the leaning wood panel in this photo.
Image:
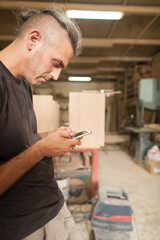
(47, 113)
(87, 111)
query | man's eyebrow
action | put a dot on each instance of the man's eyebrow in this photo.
(60, 62)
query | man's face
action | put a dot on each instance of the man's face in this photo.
(46, 62)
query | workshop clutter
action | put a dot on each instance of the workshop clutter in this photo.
(74, 190)
(72, 162)
(76, 187)
(153, 154)
(152, 160)
(73, 175)
(63, 184)
(71, 187)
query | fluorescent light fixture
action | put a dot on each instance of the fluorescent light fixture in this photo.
(102, 15)
(79, 79)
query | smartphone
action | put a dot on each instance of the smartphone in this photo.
(82, 133)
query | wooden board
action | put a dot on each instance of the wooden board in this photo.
(87, 111)
(154, 126)
(116, 138)
(47, 112)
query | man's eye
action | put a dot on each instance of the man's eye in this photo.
(56, 65)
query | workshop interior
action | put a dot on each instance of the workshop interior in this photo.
(111, 183)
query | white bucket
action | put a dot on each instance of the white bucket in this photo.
(64, 186)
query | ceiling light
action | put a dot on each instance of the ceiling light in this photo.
(80, 79)
(103, 15)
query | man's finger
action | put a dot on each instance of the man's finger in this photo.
(75, 141)
(65, 134)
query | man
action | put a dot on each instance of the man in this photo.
(31, 204)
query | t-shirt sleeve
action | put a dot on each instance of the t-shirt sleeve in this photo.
(2, 91)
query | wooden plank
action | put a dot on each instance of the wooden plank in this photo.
(47, 113)
(116, 138)
(87, 111)
(150, 10)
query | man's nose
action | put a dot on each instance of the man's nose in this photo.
(55, 73)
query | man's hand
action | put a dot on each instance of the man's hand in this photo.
(59, 142)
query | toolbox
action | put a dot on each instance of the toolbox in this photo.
(112, 215)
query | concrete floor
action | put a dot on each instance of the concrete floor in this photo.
(117, 169)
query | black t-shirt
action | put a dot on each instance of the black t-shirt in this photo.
(35, 199)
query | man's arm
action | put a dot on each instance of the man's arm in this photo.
(56, 143)
(44, 134)
(15, 168)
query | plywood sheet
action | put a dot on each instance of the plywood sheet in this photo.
(87, 111)
(47, 112)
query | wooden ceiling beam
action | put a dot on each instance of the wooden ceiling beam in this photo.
(104, 76)
(110, 58)
(101, 42)
(97, 76)
(151, 10)
(6, 37)
(91, 71)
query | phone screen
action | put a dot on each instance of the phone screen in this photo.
(79, 134)
(82, 133)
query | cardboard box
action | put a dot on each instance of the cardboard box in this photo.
(153, 167)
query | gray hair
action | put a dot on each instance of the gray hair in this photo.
(27, 17)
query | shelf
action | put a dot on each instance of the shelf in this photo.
(129, 91)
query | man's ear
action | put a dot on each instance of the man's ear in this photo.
(34, 37)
